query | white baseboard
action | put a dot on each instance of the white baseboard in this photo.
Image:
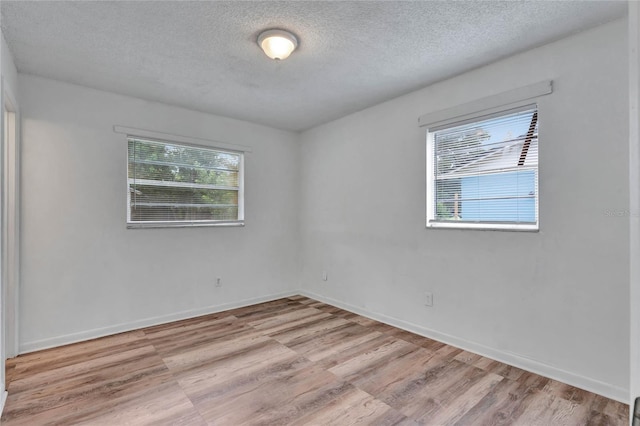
(519, 361)
(3, 400)
(582, 382)
(38, 345)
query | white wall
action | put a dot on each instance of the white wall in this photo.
(634, 197)
(9, 71)
(556, 301)
(12, 203)
(84, 274)
(9, 263)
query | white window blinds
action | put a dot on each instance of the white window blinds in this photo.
(177, 184)
(485, 170)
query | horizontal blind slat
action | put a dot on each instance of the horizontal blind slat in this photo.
(171, 182)
(486, 171)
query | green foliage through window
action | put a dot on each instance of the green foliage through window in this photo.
(180, 183)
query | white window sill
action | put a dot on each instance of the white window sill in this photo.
(484, 226)
(142, 225)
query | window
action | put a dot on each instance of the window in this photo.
(483, 171)
(171, 184)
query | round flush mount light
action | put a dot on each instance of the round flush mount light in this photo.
(277, 44)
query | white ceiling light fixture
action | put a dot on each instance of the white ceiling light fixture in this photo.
(277, 44)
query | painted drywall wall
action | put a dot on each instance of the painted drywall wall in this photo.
(84, 274)
(11, 272)
(555, 301)
(9, 71)
(634, 198)
(10, 222)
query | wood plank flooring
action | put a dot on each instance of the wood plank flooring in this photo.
(291, 361)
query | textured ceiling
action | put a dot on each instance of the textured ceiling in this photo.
(204, 56)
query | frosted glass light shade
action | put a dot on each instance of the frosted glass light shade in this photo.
(277, 44)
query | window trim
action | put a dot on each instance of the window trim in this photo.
(486, 106)
(168, 137)
(492, 106)
(132, 133)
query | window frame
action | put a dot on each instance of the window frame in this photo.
(176, 140)
(482, 109)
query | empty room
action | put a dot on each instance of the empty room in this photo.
(320, 212)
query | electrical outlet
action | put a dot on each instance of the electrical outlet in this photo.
(218, 282)
(324, 276)
(428, 298)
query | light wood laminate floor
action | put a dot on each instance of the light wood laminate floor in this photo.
(290, 361)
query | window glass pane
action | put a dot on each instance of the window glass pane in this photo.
(178, 183)
(487, 170)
